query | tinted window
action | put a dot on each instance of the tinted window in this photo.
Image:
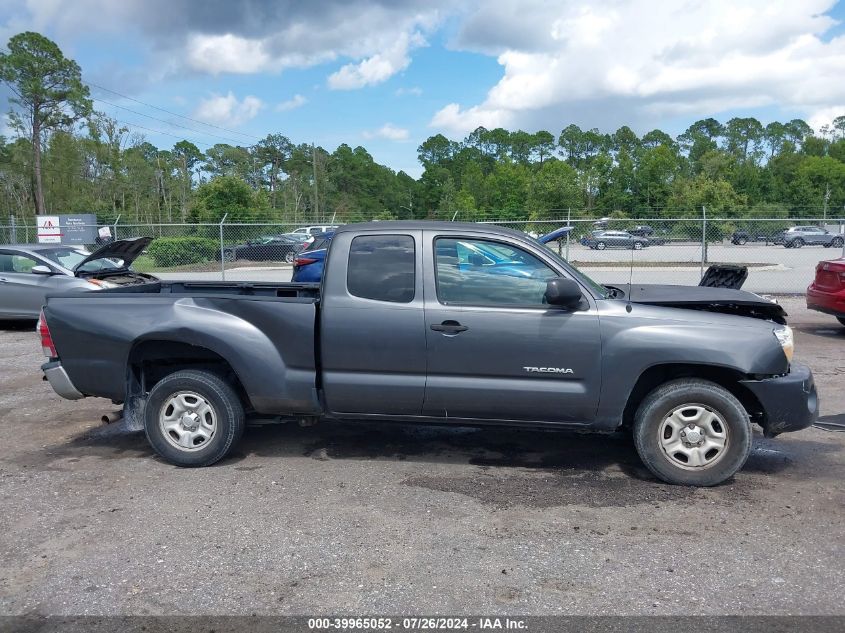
(479, 272)
(381, 267)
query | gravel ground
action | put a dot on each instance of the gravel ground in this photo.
(398, 519)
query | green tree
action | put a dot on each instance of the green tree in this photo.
(227, 195)
(49, 91)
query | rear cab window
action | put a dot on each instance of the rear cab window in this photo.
(382, 268)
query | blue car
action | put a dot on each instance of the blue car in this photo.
(308, 265)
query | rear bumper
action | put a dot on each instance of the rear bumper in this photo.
(59, 380)
(790, 402)
(827, 302)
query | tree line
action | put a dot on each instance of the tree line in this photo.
(66, 157)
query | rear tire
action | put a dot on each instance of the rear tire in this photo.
(601, 246)
(837, 242)
(697, 421)
(289, 257)
(638, 246)
(741, 242)
(193, 418)
(796, 243)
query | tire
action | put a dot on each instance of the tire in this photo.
(229, 256)
(638, 246)
(741, 241)
(665, 411)
(841, 320)
(796, 243)
(600, 246)
(837, 242)
(208, 404)
(289, 257)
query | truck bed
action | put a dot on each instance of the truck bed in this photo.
(266, 332)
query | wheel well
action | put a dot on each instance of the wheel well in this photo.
(655, 376)
(150, 361)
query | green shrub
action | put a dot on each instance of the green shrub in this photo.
(177, 251)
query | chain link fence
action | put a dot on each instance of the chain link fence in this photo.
(645, 250)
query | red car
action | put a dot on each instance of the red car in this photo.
(827, 292)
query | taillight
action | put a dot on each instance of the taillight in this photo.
(303, 261)
(47, 345)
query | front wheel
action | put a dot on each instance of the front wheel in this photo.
(837, 242)
(193, 418)
(638, 246)
(229, 256)
(289, 257)
(692, 432)
(796, 243)
(601, 246)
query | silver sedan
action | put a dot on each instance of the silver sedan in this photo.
(28, 272)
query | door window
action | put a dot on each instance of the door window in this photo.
(10, 263)
(381, 267)
(482, 272)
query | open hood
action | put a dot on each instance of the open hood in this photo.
(557, 234)
(725, 300)
(127, 250)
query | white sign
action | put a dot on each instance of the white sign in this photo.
(49, 229)
(104, 232)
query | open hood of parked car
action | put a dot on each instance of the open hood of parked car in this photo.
(126, 250)
(725, 300)
(557, 234)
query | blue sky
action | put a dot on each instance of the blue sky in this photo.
(387, 75)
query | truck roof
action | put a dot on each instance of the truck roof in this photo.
(431, 225)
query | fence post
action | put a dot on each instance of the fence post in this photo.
(14, 233)
(703, 238)
(222, 257)
(116, 220)
(568, 223)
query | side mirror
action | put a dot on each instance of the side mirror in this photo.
(563, 292)
(40, 269)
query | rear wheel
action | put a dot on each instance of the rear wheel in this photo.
(193, 418)
(229, 256)
(741, 241)
(837, 242)
(797, 243)
(289, 257)
(692, 432)
(638, 246)
(601, 246)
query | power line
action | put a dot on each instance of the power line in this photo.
(225, 138)
(181, 116)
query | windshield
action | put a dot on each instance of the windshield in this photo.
(596, 287)
(70, 258)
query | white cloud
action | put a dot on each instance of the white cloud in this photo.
(291, 104)
(628, 62)
(824, 117)
(389, 132)
(414, 91)
(227, 110)
(227, 54)
(379, 67)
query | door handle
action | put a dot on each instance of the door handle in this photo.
(449, 327)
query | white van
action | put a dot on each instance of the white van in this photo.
(313, 230)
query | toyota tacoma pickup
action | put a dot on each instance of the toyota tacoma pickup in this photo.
(446, 323)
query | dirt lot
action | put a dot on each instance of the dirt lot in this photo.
(396, 519)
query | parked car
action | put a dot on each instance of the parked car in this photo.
(741, 237)
(308, 265)
(417, 322)
(313, 230)
(275, 248)
(29, 271)
(600, 240)
(827, 291)
(299, 237)
(798, 236)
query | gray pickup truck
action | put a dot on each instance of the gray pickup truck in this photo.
(446, 323)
